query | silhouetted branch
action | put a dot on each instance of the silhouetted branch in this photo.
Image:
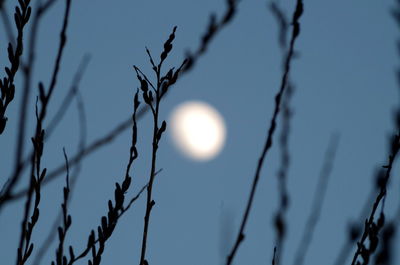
(354, 227)
(153, 101)
(25, 246)
(354, 232)
(268, 143)
(115, 211)
(27, 70)
(95, 145)
(371, 228)
(63, 41)
(318, 201)
(61, 259)
(7, 87)
(73, 91)
(279, 219)
(37, 174)
(122, 212)
(122, 126)
(81, 145)
(385, 254)
(109, 222)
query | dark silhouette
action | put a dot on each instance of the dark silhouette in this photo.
(373, 238)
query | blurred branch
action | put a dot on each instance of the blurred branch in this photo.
(73, 91)
(283, 25)
(268, 143)
(279, 219)
(318, 201)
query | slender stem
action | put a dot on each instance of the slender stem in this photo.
(380, 196)
(150, 202)
(268, 143)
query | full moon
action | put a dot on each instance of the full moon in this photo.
(198, 130)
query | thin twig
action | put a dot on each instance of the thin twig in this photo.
(67, 220)
(90, 148)
(274, 257)
(73, 91)
(354, 228)
(163, 83)
(109, 221)
(37, 175)
(369, 223)
(123, 211)
(388, 241)
(60, 52)
(279, 219)
(81, 145)
(25, 246)
(268, 143)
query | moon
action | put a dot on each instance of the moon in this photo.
(198, 130)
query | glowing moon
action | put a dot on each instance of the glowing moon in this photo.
(198, 130)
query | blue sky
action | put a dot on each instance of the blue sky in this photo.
(345, 82)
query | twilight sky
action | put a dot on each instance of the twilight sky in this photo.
(345, 83)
